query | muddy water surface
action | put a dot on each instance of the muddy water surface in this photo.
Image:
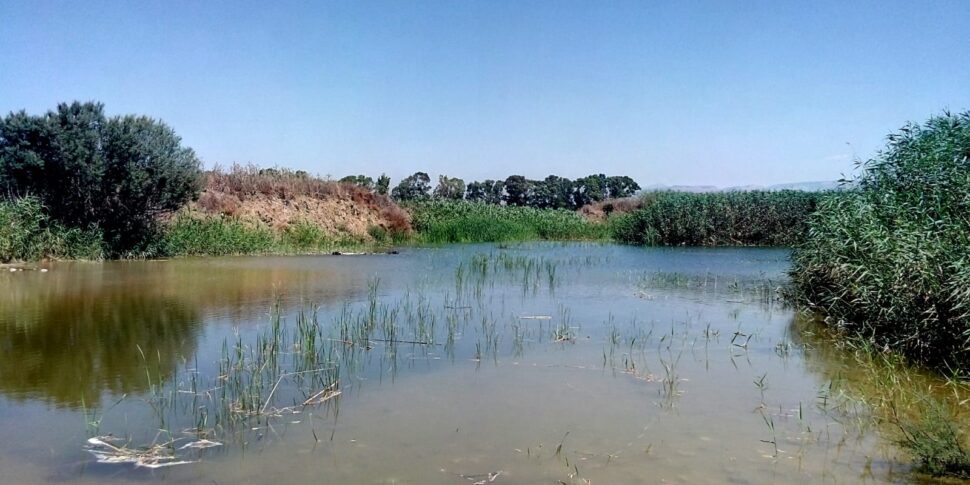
(542, 363)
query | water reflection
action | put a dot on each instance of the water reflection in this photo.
(69, 335)
(77, 346)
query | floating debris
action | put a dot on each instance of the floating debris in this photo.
(536, 317)
(201, 444)
(323, 396)
(155, 456)
(483, 478)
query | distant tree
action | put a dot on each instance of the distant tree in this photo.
(414, 187)
(449, 188)
(359, 180)
(476, 192)
(495, 191)
(621, 186)
(383, 184)
(116, 174)
(540, 196)
(589, 189)
(518, 190)
(560, 191)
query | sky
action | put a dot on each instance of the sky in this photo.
(685, 92)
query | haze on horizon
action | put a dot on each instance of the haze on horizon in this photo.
(693, 93)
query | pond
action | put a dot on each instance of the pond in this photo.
(533, 363)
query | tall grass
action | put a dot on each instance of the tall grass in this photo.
(755, 218)
(441, 221)
(889, 262)
(27, 233)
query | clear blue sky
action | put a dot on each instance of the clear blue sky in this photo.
(721, 93)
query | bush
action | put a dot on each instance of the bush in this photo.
(755, 218)
(889, 261)
(28, 234)
(115, 175)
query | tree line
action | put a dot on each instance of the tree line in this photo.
(553, 192)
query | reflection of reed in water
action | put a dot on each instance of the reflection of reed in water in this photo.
(869, 388)
(77, 346)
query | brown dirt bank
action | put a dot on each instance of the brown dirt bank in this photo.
(279, 198)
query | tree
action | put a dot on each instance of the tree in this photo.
(383, 184)
(589, 189)
(414, 187)
(518, 190)
(476, 192)
(449, 188)
(117, 175)
(621, 186)
(560, 192)
(359, 180)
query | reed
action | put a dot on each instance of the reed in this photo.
(888, 261)
(27, 233)
(439, 221)
(750, 218)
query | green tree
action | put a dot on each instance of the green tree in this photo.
(359, 180)
(413, 187)
(589, 189)
(518, 190)
(117, 175)
(449, 188)
(621, 186)
(383, 184)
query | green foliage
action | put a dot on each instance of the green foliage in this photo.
(757, 218)
(116, 175)
(221, 235)
(414, 187)
(360, 181)
(214, 236)
(518, 190)
(889, 261)
(383, 184)
(461, 221)
(489, 191)
(449, 188)
(28, 234)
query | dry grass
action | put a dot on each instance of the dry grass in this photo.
(600, 211)
(282, 197)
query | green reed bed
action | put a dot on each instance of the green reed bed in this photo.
(888, 262)
(27, 233)
(750, 218)
(218, 235)
(440, 221)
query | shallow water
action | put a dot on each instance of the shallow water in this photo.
(539, 363)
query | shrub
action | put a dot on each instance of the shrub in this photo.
(888, 261)
(115, 175)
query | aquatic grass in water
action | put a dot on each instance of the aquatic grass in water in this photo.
(311, 375)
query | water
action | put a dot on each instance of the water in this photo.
(539, 363)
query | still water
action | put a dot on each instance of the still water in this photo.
(538, 363)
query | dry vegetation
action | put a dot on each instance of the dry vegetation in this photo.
(280, 198)
(600, 211)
